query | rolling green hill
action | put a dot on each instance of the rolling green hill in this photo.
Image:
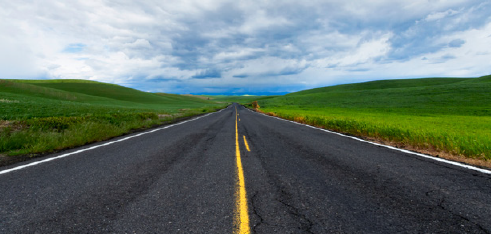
(422, 96)
(44, 98)
(440, 115)
(45, 115)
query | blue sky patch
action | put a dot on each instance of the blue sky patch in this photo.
(74, 48)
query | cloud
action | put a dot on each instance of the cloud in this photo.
(444, 58)
(268, 66)
(208, 73)
(440, 15)
(238, 54)
(229, 46)
(456, 43)
(262, 21)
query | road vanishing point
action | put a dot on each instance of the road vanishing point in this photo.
(238, 171)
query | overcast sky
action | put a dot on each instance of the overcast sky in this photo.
(215, 46)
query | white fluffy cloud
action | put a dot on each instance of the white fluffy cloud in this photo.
(242, 46)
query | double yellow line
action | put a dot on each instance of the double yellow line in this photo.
(241, 211)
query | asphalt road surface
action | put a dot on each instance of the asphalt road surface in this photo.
(295, 179)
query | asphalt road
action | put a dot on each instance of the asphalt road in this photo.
(185, 179)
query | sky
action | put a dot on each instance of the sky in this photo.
(243, 47)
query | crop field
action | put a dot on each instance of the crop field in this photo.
(46, 115)
(436, 115)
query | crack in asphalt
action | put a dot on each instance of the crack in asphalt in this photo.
(305, 223)
(442, 207)
(381, 187)
(256, 212)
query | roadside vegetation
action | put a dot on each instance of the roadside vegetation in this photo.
(40, 116)
(441, 116)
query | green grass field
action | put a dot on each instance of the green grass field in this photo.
(45, 115)
(450, 115)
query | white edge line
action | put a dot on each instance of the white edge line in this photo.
(387, 146)
(104, 144)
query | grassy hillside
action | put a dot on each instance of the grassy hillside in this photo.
(45, 115)
(439, 115)
(79, 97)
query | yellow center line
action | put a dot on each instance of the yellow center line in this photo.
(241, 213)
(247, 145)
